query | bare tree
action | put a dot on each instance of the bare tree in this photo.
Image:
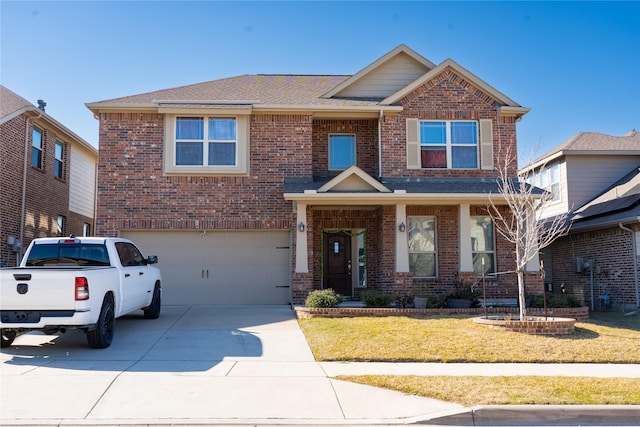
(522, 225)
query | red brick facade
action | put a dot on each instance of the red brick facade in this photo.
(46, 197)
(610, 249)
(134, 192)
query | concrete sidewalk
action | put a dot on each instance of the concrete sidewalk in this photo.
(205, 365)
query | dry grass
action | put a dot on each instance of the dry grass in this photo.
(608, 338)
(471, 391)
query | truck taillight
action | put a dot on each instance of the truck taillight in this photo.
(82, 289)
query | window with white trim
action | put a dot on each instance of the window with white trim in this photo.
(36, 148)
(547, 178)
(449, 144)
(206, 144)
(58, 170)
(422, 245)
(483, 245)
(342, 151)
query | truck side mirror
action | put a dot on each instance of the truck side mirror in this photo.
(152, 259)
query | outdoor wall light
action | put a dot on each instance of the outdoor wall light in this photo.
(301, 227)
(402, 227)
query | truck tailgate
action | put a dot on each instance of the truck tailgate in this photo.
(39, 289)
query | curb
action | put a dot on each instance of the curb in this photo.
(550, 415)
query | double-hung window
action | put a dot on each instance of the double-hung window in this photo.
(206, 141)
(483, 245)
(36, 148)
(58, 170)
(422, 245)
(206, 144)
(342, 151)
(449, 144)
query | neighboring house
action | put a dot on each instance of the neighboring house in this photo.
(48, 177)
(262, 188)
(596, 179)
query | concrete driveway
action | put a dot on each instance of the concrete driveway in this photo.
(193, 365)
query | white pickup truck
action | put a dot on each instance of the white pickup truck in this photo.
(77, 283)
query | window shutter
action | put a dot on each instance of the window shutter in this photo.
(413, 145)
(486, 144)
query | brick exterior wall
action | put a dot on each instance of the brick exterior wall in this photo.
(446, 97)
(134, 193)
(47, 197)
(366, 133)
(611, 250)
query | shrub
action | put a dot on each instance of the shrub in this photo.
(555, 301)
(376, 299)
(323, 298)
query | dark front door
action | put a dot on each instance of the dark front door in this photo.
(337, 262)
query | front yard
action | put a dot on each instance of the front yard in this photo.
(607, 338)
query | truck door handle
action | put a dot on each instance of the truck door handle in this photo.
(126, 274)
(140, 273)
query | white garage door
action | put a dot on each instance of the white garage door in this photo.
(220, 267)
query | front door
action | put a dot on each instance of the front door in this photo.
(337, 262)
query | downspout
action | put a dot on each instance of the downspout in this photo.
(635, 262)
(380, 144)
(24, 184)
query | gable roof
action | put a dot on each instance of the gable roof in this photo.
(593, 144)
(405, 63)
(620, 203)
(13, 105)
(374, 89)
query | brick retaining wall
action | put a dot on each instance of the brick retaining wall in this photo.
(581, 314)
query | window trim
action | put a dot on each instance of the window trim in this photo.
(59, 161)
(355, 150)
(448, 144)
(491, 253)
(435, 245)
(242, 147)
(39, 149)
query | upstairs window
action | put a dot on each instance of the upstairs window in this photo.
(58, 170)
(547, 178)
(206, 145)
(218, 148)
(450, 145)
(342, 151)
(36, 148)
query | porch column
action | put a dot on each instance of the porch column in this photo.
(534, 263)
(402, 244)
(302, 263)
(464, 231)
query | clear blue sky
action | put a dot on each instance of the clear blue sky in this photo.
(575, 64)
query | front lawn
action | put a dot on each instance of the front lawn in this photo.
(607, 338)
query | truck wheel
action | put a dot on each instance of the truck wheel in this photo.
(153, 311)
(7, 338)
(102, 335)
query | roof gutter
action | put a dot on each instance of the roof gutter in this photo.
(635, 262)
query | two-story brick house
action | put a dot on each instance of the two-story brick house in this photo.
(48, 177)
(262, 188)
(595, 178)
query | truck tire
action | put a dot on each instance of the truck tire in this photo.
(153, 311)
(102, 335)
(7, 338)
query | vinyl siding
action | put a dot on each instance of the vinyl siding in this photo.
(387, 79)
(82, 182)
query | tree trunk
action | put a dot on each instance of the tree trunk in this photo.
(521, 296)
